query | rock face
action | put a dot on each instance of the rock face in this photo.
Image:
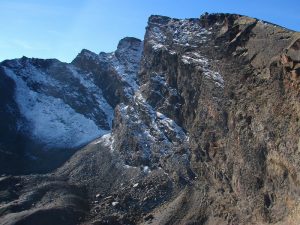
(52, 108)
(197, 124)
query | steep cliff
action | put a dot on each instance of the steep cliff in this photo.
(197, 124)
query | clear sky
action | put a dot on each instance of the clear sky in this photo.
(61, 28)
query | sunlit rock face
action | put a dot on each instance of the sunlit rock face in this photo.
(196, 124)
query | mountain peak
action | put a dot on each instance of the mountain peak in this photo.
(198, 123)
(129, 50)
(128, 42)
(87, 53)
(157, 19)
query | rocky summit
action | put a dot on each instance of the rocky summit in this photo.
(198, 123)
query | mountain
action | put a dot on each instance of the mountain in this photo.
(53, 108)
(196, 124)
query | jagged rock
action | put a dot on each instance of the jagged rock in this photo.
(200, 125)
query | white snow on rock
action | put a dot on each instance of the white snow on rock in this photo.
(107, 140)
(88, 82)
(170, 125)
(160, 124)
(126, 73)
(151, 127)
(126, 65)
(32, 75)
(52, 121)
(146, 169)
(189, 32)
(114, 203)
(129, 167)
(204, 65)
(265, 23)
(156, 46)
(185, 32)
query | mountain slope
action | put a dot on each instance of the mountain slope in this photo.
(201, 124)
(57, 107)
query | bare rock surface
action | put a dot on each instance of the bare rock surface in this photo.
(196, 124)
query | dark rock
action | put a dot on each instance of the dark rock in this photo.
(205, 129)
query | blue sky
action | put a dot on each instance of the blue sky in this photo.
(61, 28)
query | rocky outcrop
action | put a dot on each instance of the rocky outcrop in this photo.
(205, 130)
(50, 108)
(235, 121)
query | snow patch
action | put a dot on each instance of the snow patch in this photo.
(114, 203)
(52, 121)
(203, 64)
(151, 127)
(107, 140)
(146, 169)
(183, 33)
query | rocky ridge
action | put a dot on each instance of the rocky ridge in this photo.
(199, 124)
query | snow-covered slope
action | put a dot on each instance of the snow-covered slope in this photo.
(49, 106)
(65, 106)
(50, 120)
